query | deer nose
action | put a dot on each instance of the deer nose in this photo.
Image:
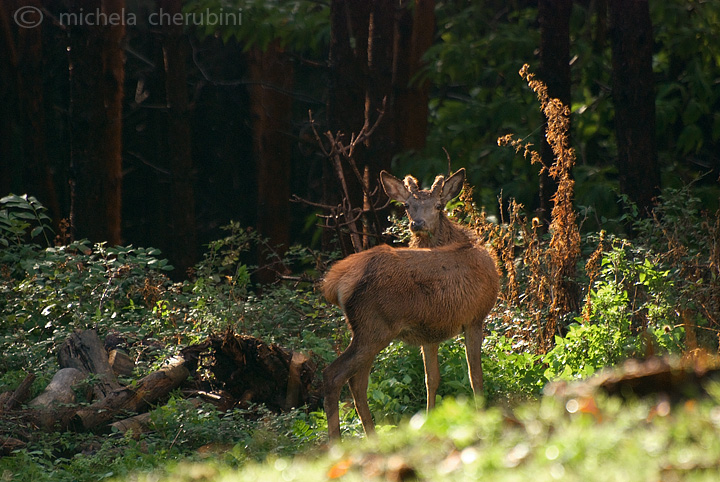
(417, 225)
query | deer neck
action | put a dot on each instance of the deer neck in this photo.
(447, 233)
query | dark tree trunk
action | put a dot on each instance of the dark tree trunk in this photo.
(271, 102)
(381, 69)
(413, 36)
(37, 176)
(554, 19)
(9, 94)
(97, 70)
(24, 166)
(184, 231)
(634, 98)
(375, 51)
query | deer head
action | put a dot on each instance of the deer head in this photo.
(425, 207)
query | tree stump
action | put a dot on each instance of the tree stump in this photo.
(121, 363)
(253, 371)
(84, 350)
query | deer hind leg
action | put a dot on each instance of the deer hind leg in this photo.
(352, 365)
(358, 389)
(432, 372)
(473, 350)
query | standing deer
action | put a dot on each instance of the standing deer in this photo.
(444, 283)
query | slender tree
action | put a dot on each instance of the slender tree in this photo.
(98, 71)
(182, 203)
(631, 37)
(272, 76)
(414, 34)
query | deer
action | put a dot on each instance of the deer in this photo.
(444, 283)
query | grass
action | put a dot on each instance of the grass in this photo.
(591, 439)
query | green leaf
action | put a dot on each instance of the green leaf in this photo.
(36, 232)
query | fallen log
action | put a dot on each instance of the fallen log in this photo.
(138, 424)
(672, 378)
(84, 351)
(60, 390)
(50, 408)
(134, 398)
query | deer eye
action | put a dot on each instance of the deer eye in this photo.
(405, 205)
(439, 206)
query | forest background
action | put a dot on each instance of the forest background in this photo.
(158, 133)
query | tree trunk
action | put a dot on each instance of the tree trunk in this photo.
(554, 19)
(9, 93)
(182, 202)
(634, 98)
(271, 103)
(24, 166)
(97, 71)
(414, 34)
(37, 176)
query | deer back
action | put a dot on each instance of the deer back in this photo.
(420, 295)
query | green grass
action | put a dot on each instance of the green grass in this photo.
(599, 439)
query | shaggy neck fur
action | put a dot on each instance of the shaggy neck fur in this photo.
(447, 233)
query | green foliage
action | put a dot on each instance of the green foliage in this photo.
(47, 293)
(299, 25)
(632, 301)
(477, 98)
(21, 218)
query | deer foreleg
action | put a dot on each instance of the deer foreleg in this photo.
(432, 372)
(473, 351)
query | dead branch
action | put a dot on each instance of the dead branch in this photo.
(20, 395)
(340, 153)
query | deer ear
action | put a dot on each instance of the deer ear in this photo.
(453, 185)
(394, 187)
